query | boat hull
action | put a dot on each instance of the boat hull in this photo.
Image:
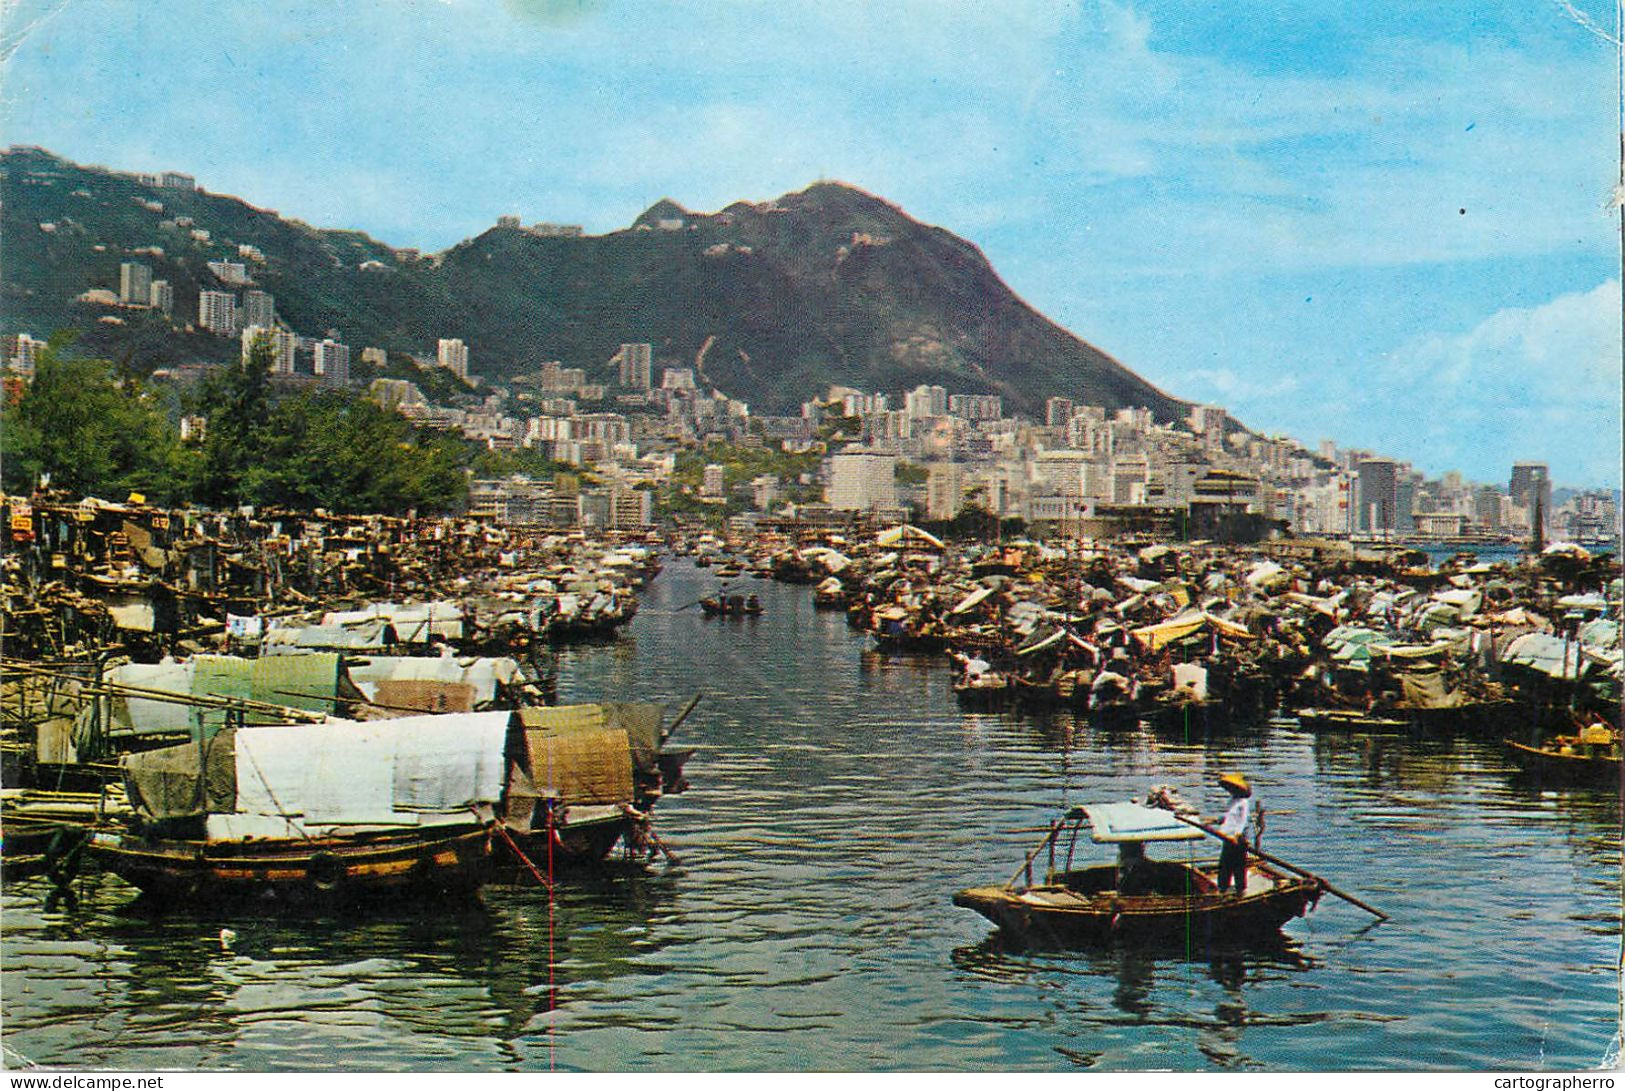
(1059, 915)
(324, 873)
(1553, 767)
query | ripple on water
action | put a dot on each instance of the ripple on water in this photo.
(839, 800)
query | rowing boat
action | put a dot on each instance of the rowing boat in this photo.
(1137, 900)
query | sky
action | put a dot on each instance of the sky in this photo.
(1389, 223)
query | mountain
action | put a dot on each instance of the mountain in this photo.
(771, 301)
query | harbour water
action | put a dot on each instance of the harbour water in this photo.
(839, 799)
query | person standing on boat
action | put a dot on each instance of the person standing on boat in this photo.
(1244, 811)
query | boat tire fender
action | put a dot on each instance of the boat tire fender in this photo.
(325, 871)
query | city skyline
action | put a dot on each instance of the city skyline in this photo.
(1390, 229)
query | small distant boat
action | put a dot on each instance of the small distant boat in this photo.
(983, 689)
(1137, 900)
(728, 570)
(731, 606)
(830, 595)
(1590, 757)
(1341, 719)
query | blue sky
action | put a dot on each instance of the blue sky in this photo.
(1385, 223)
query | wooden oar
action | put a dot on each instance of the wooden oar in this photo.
(1278, 862)
(681, 716)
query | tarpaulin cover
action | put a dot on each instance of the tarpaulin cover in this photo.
(308, 682)
(1155, 637)
(910, 534)
(483, 673)
(414, 623)
(1112, 822)
(173, 783)
(1550, 655)
(367, 636)
(347, 773)
(151, 717)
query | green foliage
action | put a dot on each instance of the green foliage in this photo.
(237, 402)
(907, 473)
(530, 461)
(93, 433)
(329, 449)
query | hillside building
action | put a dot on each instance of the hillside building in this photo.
(862, 481)
(452, 355)
(217, 313)
(259, 309)
(331, 361)
(134, 284)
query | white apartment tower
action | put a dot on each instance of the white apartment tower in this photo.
(217, 312)
(332, 361)
(161, 296)
(453, 356)
(135, 284)
(283, 346)
(862, 481)
(636, 362)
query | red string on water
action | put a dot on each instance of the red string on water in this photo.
(552, 989)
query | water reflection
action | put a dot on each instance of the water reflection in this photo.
(839, 799)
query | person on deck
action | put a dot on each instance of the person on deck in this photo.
(1244, 811)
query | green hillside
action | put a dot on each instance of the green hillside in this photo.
(829, 285)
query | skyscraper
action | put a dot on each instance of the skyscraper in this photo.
(453, 356)
(135, 283)
(1531, 486)
(259, 309)
(636, 362)
(217, 312)
(1379, 495)
(162, 296)
(332, 361)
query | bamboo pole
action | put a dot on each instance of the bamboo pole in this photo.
(1278, 862)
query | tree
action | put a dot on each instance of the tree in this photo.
(93, 433)
(237, 403)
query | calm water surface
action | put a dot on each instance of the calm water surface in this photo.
(839, 799)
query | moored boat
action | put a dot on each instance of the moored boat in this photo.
(325, 872)
(1592, 756)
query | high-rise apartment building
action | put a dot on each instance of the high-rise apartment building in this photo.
(283, 346)
(636, 362)
(161, 296)
(976, 406)
(1379, 495)
(1531, 486)
(1057, 411)
(926, 401)
(135, 284)
(217, 312)
(453, 356)
(259, 309)
(862, 481)
(331, 361)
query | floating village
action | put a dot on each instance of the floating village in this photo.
(291, 712)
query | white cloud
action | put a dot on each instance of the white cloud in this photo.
(1526, 382)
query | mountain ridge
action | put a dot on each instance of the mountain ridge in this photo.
(825, 285)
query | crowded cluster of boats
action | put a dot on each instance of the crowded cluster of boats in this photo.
(291, 709)
(224, 708)
(1199, 638)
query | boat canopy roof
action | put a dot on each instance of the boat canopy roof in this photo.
(1116, 822)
